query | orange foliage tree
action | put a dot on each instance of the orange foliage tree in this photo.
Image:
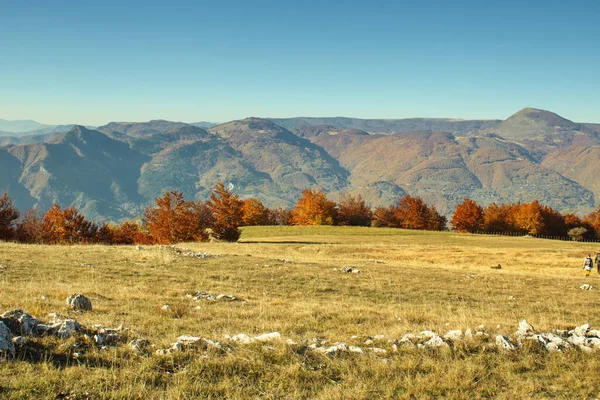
(313, 208)
(8, 217)
(593, 220)
(468, 217)
(413, 213)
(254, 213)
(67, 226)
(173, 220)
(227, 213)
(279, 216)
(353, 211)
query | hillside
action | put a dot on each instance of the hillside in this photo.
(112, 173)
(387, 126)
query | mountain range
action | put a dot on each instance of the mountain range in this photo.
(112, 172)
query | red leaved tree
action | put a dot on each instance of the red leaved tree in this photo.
(468, 217)
(31, 229)
(353, 211)
(227, 213)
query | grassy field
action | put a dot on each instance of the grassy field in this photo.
(409, 282)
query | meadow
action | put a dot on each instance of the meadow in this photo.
(410, 281)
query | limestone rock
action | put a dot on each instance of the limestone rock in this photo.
(139, 345)
(79, 302)
(241, 338)
(586, 286)
(268, 337)
(581, 330)
(6, 344)
(453, 335)
(503, 343)
(435, 342)
(525, 329)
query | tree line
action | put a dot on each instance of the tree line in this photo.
(172, 219)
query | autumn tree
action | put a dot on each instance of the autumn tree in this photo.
(313, 208)
(8, 217)
(413, 213)
(227, 213)
(593, 220)
(174, 220)
(67, 226)
(383, 217)
(468, 217)
(30, 229)
(353, 211)
(254, 213)
(279, 216)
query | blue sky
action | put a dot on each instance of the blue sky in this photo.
(91, 62)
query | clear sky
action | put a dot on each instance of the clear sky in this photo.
(91, 62)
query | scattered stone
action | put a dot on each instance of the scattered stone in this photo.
(84, 264)
(504, 344)
(525, 329)
(67, 328)
(139, 345)
(166, 307)
(470, 276)
(586, 286)
(581, 330)
(285, 261)
(79, 302)
(435, 342)
(6, 343)
(468, 334)
(497, 266)
(480, 328)
(268, 337)
(511, 297)
(138, 247)
(350, 270)
(19, 341)
(241, 338)
(453, 335)
(374, 350)
(197, 296)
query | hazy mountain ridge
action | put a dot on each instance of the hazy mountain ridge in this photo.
(112, 173)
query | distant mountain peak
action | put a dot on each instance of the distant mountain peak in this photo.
(531, 115)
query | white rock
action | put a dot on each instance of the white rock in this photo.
(435, 342)
(377, 350)
(368, 342)
(525, 329)
(468, 334)
(503, 343)
(177, 346)
(553, 347)
(576, 340)
(586, 286)
(186, 340)
(453, 335)
(139, 345)
(593, 342)
(355, 349)
(480, 328)
(290, 342)
(268, 337)
(241, 338)
(429, 334)
(166, 307)
(593, 333)
(581, 330)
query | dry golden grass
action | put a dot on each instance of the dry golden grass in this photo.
(421, 284)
